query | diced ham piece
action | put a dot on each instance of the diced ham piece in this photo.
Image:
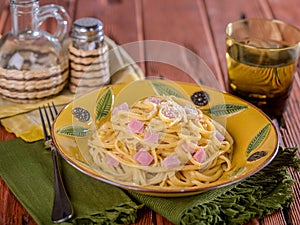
(143, 157)
(151, 137)
(200, 155)
(124, 106)
(154, 100)
(136, 126)
(188, 148)
(171, 162)
(112, 161)
(219, 136)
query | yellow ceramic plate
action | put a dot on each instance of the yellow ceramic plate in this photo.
(255, 137)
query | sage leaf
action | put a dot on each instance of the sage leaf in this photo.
(164, 89)
(259, 138)
(238, 171)
(225, 109)
(104, 103)
(73, 130)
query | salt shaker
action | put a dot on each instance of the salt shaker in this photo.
(88, 56)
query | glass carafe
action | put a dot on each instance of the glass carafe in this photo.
(33, 62)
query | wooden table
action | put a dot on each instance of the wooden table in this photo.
(198, 25)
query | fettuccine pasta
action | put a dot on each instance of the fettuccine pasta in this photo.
(162, 141)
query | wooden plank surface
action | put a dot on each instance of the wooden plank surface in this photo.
(191, 33)
(196, 25)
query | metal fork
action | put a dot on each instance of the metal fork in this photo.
(62, 208)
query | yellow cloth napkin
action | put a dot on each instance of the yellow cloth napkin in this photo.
(23, 119)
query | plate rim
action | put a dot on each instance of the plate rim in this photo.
(169, 192)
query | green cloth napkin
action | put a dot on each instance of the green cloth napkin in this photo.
(259, 195)
(27, 170)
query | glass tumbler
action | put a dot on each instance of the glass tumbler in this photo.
(262, 56)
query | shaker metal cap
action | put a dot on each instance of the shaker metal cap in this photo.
(87, 29)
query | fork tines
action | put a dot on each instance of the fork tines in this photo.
(49, 117)
(62, 208)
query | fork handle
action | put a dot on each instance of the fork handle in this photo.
(62, 208)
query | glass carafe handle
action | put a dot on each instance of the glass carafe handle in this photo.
(61, 16)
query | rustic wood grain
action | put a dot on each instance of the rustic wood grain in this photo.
(221, 13)
(12, 212)
(187, 32)
(4, 16)
(197, 25)
(119, 18)
(289, 13)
